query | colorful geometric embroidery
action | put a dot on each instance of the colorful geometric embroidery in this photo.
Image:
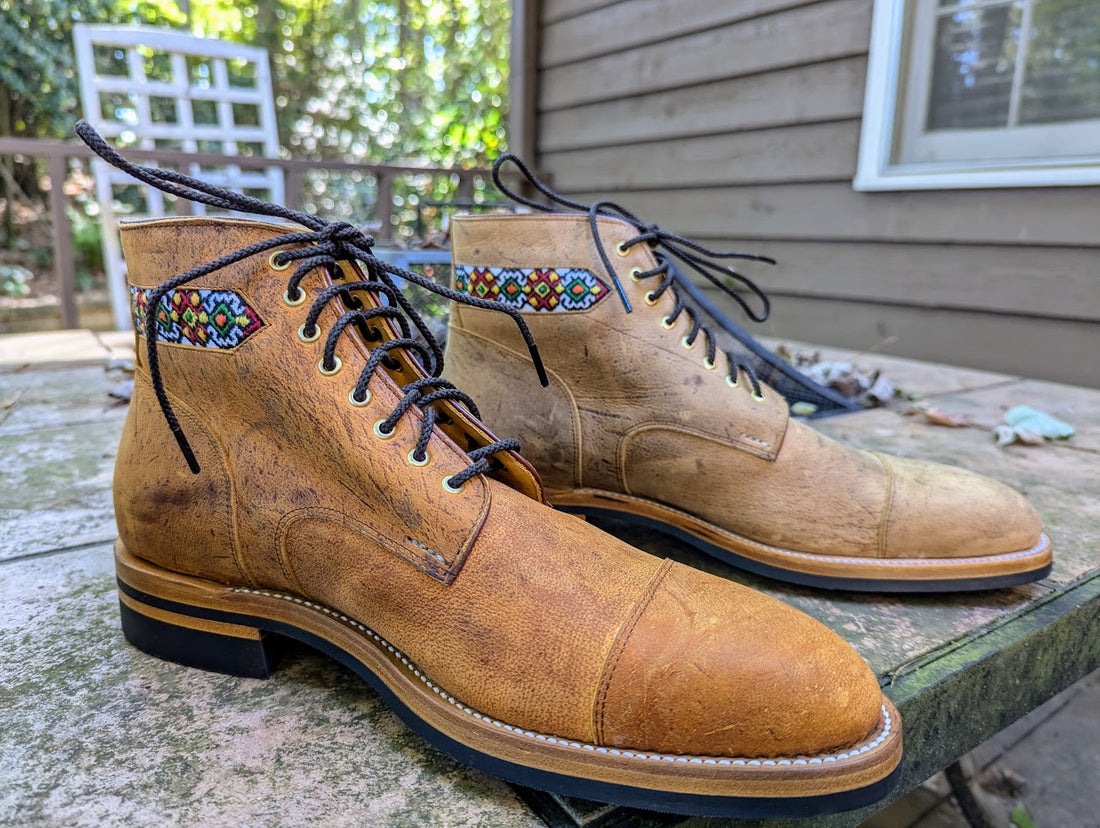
(542, 289)
(207, 318)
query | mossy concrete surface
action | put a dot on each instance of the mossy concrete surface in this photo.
(94, 732)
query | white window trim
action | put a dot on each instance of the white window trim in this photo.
(876, 171)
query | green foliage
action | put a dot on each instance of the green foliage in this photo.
(37, 64)
(1021, 818)
(375, 80)
(87, 250)
(14, 280)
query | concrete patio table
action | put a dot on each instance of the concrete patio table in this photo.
(94, 732)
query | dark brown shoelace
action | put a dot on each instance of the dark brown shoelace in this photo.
(324, 245)
(668, 248)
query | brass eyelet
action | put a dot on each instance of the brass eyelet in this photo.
(688, 346)
(447, 487)
(667, 323)
(621, 250)
(733, 382)
(650, 299)
(336, 366)
(293, 303)
(709, 363)
(414, 462)
(634, 274)
(357, 402)
(274, 265)
(758, 397)
(379, 433)
(307, 339)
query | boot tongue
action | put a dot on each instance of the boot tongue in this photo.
(460, 426)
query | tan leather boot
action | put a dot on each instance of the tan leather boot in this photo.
(643, 419)
(288, 469)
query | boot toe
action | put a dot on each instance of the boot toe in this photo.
(939, 511)
(711, 668)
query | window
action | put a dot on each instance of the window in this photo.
(982, 93)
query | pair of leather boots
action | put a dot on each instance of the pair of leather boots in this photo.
(296, 463)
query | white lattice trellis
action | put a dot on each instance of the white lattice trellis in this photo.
(160, 89)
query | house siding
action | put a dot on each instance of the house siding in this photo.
(738, 123)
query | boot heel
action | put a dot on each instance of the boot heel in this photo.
(197, 642)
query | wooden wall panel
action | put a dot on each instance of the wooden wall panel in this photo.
(1054, 349)
(806, 35)
(738, 123)
(1065, 216)
(630, 25)
(807, 94)
(816, 152)
(555, 10)
(1055, 282)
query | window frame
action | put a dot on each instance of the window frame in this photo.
(888, 69)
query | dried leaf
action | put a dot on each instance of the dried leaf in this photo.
(881, 390)
(1007, 435)
(1003, 782)
(937, 416)
(123, 391)
(1029, 436)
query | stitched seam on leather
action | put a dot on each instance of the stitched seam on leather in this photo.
(619, 647)
(1041, 546)
(755, 448)
(182, 408)
(877, 737)
(396, 548)
(882, 538)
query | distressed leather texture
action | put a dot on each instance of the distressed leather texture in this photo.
(527, 614)
(631, 410)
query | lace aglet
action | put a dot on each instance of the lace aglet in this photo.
(540, 369)
(188, 454)
(622, 296)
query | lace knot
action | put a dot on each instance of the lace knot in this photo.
(323, 244)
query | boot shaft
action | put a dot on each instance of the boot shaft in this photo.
(278, 435)
(612, 372)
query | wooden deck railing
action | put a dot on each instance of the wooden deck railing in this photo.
(59, 153)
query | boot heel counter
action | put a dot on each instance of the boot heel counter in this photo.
(512, 404)
(166, 514)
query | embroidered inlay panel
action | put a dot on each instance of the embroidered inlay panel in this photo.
(542, 289)
(206, 318)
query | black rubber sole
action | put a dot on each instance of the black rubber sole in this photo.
(256, 658)
(808, 579)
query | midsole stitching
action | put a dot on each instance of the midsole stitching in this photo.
(1042, 545)
(883, 735)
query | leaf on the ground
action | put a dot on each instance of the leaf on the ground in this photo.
(123, 391)
(1007, 435)
(1026, 417)
(1021, 818)
(937, 416)
(881, 390)
(846, 379)
(1003, 781)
